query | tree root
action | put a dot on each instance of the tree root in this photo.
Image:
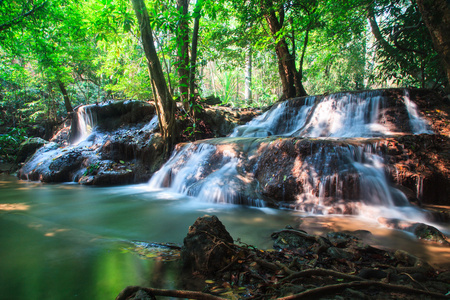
(130, 290)
(332, 289)
(321, 272)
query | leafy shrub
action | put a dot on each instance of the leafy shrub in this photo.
(10, 142)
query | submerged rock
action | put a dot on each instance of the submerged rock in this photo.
(420, 230)
(430, 233)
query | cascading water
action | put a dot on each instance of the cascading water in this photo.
(86, 122)
(418, 124)
(342, 174)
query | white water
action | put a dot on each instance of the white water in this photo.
(417, 123)
(336, 115)
(330, 177)
(87, 120)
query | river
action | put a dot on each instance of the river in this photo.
(67, 241)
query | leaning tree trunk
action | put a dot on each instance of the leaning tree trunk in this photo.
(248, 75)
(67, 103)
(165, 107)
(436, 15)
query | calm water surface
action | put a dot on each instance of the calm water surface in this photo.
(69, 241)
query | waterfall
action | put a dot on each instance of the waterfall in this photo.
(86, 119)
(418, 124)
(342, 172)
(206, 172)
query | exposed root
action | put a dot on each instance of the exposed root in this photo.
(335, 288)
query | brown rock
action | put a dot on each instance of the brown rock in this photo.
(206, 248)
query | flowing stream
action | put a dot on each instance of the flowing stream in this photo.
(68, 241)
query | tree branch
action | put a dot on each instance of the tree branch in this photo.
(22, 16)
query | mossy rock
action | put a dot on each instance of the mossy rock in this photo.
(28, 147)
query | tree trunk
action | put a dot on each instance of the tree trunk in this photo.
(165, 107)
(197, 15)
(183, 52)
(436, 15)
(67, 103)
(248, 75)
(290, 77)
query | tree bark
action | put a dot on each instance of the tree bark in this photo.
(67, 103)
(436, 15)
(193, 62)
(248, 75)
(183, 52)
(290, 77)
(165, 107)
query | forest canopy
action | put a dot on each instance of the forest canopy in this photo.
(58, 54)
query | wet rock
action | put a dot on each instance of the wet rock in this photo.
(63, 167)
(338, 253)
(28, 148)
(430, 233)
(206, 247)
(410, 263)
(340, 239)
(420, 230)
(293, 239)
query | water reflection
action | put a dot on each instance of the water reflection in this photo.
(70, 241)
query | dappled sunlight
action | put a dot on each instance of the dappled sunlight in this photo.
(69, 186)
(14, 206)
(54, 232)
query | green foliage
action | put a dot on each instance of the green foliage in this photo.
(10, 142)
(406, 56)
(93, 48)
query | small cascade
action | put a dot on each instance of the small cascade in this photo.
(346, 115)
(284, 119)
(184, 168)
(336, 115)
(86, 122)
(418, 124)
(206, 171)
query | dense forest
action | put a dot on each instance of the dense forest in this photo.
(58, 54)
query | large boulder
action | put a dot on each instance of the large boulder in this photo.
(206, 248)
(28, 147)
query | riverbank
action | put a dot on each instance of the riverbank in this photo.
(301, 265)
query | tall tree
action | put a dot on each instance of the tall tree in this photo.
(165, 106)
(194, 50)
(291, 78)
(404, 50)
(436, 15)
(182, 34)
